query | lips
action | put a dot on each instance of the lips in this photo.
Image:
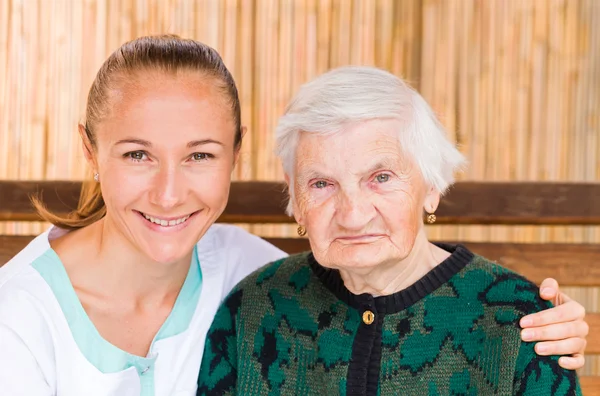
(360, 239)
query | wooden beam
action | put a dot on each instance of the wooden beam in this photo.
(593, 338)
(15, 202)
(525, 203)
(533, 203)
(10, 245)
(590, 385)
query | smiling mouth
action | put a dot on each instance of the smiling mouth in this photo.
(166, 222)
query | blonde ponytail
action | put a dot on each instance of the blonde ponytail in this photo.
(90, 209)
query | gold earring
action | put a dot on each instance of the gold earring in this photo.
(301, 230)
(431, 218)
(96, 176)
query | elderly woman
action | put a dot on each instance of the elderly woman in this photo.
(374, 307)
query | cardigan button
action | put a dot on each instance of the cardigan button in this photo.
(368, 317)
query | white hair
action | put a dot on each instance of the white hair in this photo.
(352, 94)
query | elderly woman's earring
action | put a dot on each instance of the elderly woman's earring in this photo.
(301, 230)
(431, 218)
(96, 176)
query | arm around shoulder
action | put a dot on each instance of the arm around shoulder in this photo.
(541, 375)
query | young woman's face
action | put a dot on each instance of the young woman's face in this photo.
(165, 155)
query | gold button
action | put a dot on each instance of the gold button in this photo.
(368, 317)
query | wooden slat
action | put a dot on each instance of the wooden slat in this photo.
(590, 385)
(534, 203)
(593, 338)
(11, 245)
(15, 204)
(537, 203)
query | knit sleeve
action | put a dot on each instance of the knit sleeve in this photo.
(542, 375)
(218, 372)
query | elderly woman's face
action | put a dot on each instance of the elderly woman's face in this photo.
(359, 197)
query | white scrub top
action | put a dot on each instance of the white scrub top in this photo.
(49, 346)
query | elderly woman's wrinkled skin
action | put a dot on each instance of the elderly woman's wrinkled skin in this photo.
(362, 202)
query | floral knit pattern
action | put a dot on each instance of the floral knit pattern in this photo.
(293, 329)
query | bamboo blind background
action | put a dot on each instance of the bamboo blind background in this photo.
(516, 82)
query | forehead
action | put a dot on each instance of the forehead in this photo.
(152, 102)
(365, 141)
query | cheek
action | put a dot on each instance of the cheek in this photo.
(402, 216)
(121, 186)
(318, 220)
(212, 187)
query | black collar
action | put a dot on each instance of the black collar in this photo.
(460, 256)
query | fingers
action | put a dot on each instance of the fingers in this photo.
(572, 362)
(556, 332)
(570, 346)
(567, 312)
(549, 290)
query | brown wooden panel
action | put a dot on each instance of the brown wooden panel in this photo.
(593, 338)
(570, 264)
(11, 245)
(15, 203)
(521, 203)
(590, 385)
(264, 202)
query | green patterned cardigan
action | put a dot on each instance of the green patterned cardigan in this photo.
(293, 328)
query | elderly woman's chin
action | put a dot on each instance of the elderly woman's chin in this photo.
(356, 255)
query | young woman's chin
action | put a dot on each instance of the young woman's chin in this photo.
(170, 243)
(167, 251)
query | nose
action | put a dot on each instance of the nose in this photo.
(168, 187)
(355, 210)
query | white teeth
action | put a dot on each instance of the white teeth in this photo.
(166, 223)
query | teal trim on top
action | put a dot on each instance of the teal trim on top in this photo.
(186, 303)
(106, 357)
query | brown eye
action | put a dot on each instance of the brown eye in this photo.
(137, 155)
(382, 178)
(199, 156)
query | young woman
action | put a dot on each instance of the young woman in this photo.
(117, 298)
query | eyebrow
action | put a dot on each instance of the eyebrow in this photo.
(141, 142)
(385, 163)
(192, 144)
(196, 143)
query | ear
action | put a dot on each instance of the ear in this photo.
(88, 150)
(432, 200)
(239, 149)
